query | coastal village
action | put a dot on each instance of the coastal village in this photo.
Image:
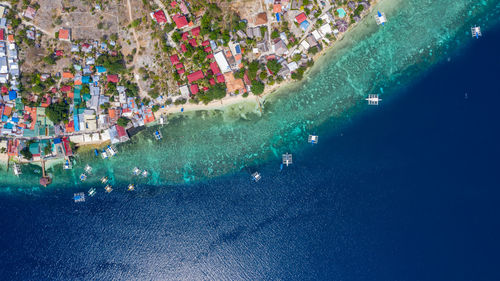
(95, 74)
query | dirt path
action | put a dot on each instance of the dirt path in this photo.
(136, 70)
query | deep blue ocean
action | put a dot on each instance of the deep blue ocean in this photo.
(408, 190)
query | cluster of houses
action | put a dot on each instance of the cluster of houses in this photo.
(9, 61)
(223, 61)
(93, 114)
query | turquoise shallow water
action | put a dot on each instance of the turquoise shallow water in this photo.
(202, 145)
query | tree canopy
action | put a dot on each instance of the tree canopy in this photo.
(216, 92)
(257, 87)
(58, 112)
(114, 64)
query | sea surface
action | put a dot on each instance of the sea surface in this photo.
(408, 190)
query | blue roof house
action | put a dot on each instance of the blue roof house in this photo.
(304, 25)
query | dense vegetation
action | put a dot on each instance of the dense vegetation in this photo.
(216, 92)
(114, 64)
(58, 112)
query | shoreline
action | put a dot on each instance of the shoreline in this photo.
(269, 90)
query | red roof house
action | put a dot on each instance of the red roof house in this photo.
(173, 3)
(205, 43)
(185, 36)
(174, 59)
(221, 79)
(4, 90)
(195, 76)
(2, 34)
(194, 89)
(195, 31)
(183, 48)
(181, 71)
(179, 66)
(210, 56)
(65, 88)
(180, 21)
(208, 49)
(300, 18)
(64, 34)
(193, 42)
(59, 53)
(160, 16)
(212, 81)
(113, 78)
(215, 68)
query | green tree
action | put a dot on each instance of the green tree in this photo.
(25, 152)
(257, 87)
(274, 66)
(58, 112)
(123, 122)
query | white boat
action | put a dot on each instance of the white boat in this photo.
(104, 154)
(476, 32)
(313, 139)
(83, 177)
(145, 173)
(67, 165)
(88, 169)
(157, 135)
(373, 99)
(256, 177)
(162, 119)
(108, 188)
(287, 159)
(111, 150)
(17, 170)
(380, 18)
(92, 192)
(79, 197)
(104, 180)
(136, 171)
(131, 187)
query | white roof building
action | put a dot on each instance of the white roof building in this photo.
(325, 29)
(222, 62)
(316, 35)
(304, 45)
(184, 91)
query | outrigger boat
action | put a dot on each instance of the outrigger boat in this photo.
(104, 154)
(92, 192)
(104, 180)
(96, 152)
(312, 139)
(79, 197)
(157, 135)
(67, 165)
(136, 171)
(88, 169)
(256, 177)
(380, 18)
(476, 32)
(111, 150)
(373, 99)
(83, 177)
(17, 170)
(108, 188)
(287, 159)
(131, 187)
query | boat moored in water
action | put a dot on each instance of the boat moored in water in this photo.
(17, 170)
(92, 192)
(88, 169)
(136, 171)
(145, 173)
(131, 187)
(83, 177)
(111, 150)
(313, 139)
(79, 197)
(108, 188)
(104, 180)
(158, 135)
(256, 177)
